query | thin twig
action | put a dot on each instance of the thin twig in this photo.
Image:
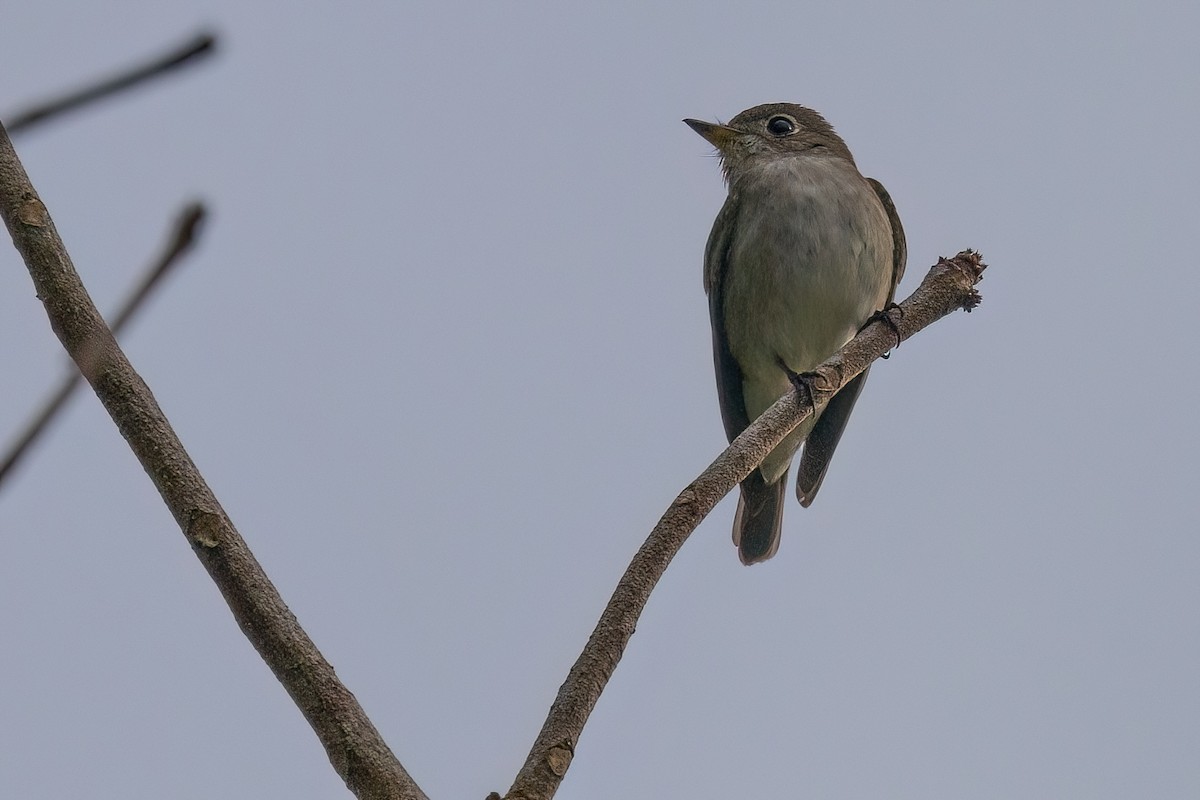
(183, 236)
(948, 286)
(191, 51)
(354, 746)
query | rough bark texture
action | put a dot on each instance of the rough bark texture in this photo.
(355, 748)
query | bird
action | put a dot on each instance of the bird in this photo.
(803, 253)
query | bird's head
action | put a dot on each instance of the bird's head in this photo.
(770, 131)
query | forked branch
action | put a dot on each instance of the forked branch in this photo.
(183, 236)
(355, 748)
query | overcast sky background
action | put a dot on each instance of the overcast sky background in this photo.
(443, 354)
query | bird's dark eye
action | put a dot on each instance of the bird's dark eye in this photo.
(781, 126)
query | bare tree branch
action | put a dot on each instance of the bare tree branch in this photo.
(948, 286)
(197, 47)
(355, 748)
(182, 238)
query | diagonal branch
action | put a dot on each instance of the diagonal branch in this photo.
(182, 238)
(197, 47)
(355, 748)
(948, 286)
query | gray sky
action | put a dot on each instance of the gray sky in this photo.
(444, 356)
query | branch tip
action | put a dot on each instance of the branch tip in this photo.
(199, 46)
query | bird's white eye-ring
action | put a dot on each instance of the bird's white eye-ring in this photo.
(781, 126)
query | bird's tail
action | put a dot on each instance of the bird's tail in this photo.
(759, 518)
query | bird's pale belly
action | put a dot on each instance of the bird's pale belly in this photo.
(801, 280)
(798, 302)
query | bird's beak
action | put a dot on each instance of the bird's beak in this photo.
(719, 136)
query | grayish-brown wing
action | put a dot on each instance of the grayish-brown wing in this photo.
(759, 519)
(899, 243)
(729, 374)
(825, 435)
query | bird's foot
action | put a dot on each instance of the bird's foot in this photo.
(885, 315)
(802, 382)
